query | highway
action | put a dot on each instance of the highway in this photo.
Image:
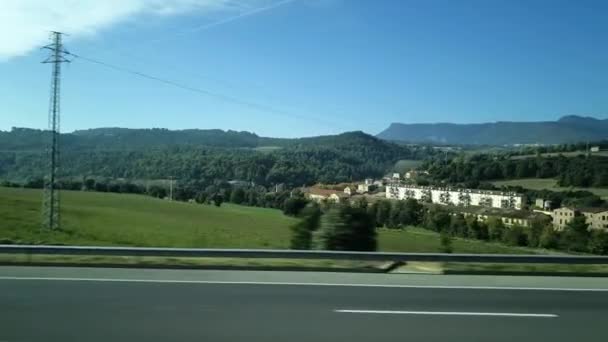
(81, 304)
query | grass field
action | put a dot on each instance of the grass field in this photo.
(118, 219)
(91, 218)
(419, 240)
(406, 164)
(549, 184)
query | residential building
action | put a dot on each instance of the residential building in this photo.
(597, 218)
(348, 191)
(457, 197)
(543, 204)
(594, 149)
(414, 173)
(362, 188)
(509, 217)
(562, 216)
(319, 194)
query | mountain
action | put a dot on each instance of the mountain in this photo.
(567, 129)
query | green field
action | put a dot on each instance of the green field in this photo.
(549, 184)
(419, 240)
(91, 218)
(405, 165)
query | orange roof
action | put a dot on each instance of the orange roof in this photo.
(322, 192)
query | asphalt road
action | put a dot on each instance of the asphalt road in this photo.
(137, 305)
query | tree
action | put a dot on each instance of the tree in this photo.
(154, 191)
(89, 184)
(394, 219)
(201, 197)
(437, 219)
(361, 202)
(495, 228)
(598, 242)
(549, 238)
(217, 199)
(446, 242)
(237, 196)
(576, 234)
(345, 228)
(301, 232)
(412, 213)
(515, 236)
(293, 206)
(383, 213)
(458, 226)
(535, 230)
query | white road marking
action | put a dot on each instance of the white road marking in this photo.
(177, 281)
(448, 313)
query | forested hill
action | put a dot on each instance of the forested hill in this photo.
(203, 155)
(20, 139)
(132, 139)
(567, 129)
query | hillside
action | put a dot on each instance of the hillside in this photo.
(567, 129)
(203, 156)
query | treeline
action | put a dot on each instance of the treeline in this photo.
(577, 171)
(216, 193)
(342, 158)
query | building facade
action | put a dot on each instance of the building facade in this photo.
(457, 197)
(597, 218)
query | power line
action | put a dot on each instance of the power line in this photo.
(226, 98)
(238, 16)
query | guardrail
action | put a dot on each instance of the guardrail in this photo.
(299, 254)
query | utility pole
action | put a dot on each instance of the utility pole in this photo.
(50, 200)
(171, 188)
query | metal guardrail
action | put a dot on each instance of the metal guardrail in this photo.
(299, 254)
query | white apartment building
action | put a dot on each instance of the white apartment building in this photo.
(459, 197)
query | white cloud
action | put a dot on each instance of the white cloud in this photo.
(25, 24)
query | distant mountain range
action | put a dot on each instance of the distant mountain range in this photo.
(567, 129)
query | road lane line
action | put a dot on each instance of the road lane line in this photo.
(448, 313)
(228, 282)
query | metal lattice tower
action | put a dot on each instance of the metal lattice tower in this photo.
(50, 200)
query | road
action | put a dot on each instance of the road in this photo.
(72, 304)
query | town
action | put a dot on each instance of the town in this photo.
(509, 207)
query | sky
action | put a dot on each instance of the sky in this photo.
(291, 68)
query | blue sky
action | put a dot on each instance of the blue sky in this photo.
(311, 67)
